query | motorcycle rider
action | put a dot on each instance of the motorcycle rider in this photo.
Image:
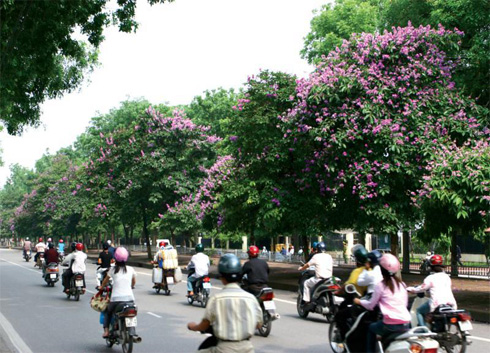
(199, 266)
(111, 248)
(76, 261)
(257, 272)
(124, 280)
(61, 247)
(104, 261)
(233, 313)
(27, 246)
(391, 296)
(439, 286)
(371, 275)
(323, 269)
(40, 248)
(313, 251)
(51, 255)
(166, 258)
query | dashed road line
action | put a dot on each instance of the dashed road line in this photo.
(158, 316)
(14, 337)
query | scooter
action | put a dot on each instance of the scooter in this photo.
(122, 329)
(100, 274)
(51, 274)
(266, 301)
(163, 280)
(27, 255)
(322, 299)
(76, 286)
(201, 289)
(451, 326)
(417, 339)
(40, 260)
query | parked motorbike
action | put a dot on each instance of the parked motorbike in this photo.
(451, 326)
(266, 301)
(76, 287)
(417, 339)
(51, 274)
(163, 280)
(122, 329)
(201, 289)
(322, 299)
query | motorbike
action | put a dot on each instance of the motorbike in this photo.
(76, 287)
(322, 299)
(27, 255)
(40, 260)
(122, 329)
(100, 274)
(51, 274)
(450, 326)
(163, 280)
(266, 301)
(202, 289)
(417, 339)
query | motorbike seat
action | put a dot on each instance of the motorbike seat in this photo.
(319, 284)
(386, 340)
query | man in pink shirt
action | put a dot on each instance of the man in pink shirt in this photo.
(392, 298)
(439, 286)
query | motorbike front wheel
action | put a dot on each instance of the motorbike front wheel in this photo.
(266, 327)
(334, 337)
(455, 340)
(301, 308)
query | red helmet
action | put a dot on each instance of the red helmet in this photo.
(40, 239)
(253, 251)
(61, 240)
(50, 240)
(436, 260)
(79, 246)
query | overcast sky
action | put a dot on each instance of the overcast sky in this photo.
(180, 50)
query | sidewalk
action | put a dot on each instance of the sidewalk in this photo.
(472, 295)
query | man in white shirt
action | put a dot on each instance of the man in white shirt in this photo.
(40, 248)
(200, 265)
(76, 262)
(323, 269)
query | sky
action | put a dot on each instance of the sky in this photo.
(180, 50)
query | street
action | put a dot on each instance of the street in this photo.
(37, 318)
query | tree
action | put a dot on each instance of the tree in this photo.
(41, 55)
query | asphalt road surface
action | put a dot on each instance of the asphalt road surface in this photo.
(36, 318)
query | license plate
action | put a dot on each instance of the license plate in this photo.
(52, 275)
(206, 285)
(465, 325)
(270, 305)
(131, 322)
(170, 280)
(79, 283)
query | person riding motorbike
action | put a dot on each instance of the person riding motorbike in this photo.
(371, 275)
(27, 247)
(323, 269)
(76, 262)
(167, 260)
(257, 272)
(391, 296)
(111, 248)
(199, 265)
(124, 280)
(61, 247)
(313, 251)
(439, 286)
(51, 255)
(233, 314)
(104, 261)
(40, 248)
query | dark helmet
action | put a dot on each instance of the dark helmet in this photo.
(374, 257)
(321, 247)
(105, 246)
(253, 251)
(229, 266)
(50, 245)
(199, 248)
(73, 246)
(360, 253)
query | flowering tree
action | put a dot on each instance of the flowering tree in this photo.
(370, 118)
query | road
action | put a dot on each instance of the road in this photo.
(36, 318)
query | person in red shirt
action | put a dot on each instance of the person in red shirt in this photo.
(51, 255)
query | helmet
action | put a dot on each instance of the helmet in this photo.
(79, 246)
(429, 253)
(109, 242)
(374, 257)
(40, 239)
(50, 245)
(360, 253)
(390, 263)
(27, 238)
(436, 260)
(50, 240)
(313, 246)
(160, 244)
(73, 246)
(253, 251)
(121, 254)
(320, 247)
(105, 246)
(230, 266)
(61, 240)
(199, 248)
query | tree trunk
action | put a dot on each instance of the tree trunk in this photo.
(252, 234)
(406, 252)
(454, 259)
(362, 238)
(306, 246)
(172, 236)
(146, 233)
(394, 245)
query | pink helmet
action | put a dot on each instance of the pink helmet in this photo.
(390, 263)
(121, 254)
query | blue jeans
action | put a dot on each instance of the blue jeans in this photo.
(381, 329)
(190, 281)
(421, 311)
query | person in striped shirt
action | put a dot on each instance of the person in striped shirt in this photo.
(233, 313)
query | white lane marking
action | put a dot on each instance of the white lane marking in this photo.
(142, 273)
(479, 338)
(285, 301)
(25, 268)
(14, 337)
(158, 316)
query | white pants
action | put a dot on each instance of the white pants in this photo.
(230, 347)
(308, 285)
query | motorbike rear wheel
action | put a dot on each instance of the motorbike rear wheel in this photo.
(205, 297)
(157, 289)
(332, 307)
(301, 308)
(77, 296)
(127, 339)
(456, 340)
(336, 343)
(266, 327)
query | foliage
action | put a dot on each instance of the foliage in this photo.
(42, 55)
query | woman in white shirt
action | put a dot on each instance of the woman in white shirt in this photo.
(371, 276)
(124, 279)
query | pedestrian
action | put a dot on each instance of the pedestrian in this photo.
(458, 255)
(344, 250)
(233, 314)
